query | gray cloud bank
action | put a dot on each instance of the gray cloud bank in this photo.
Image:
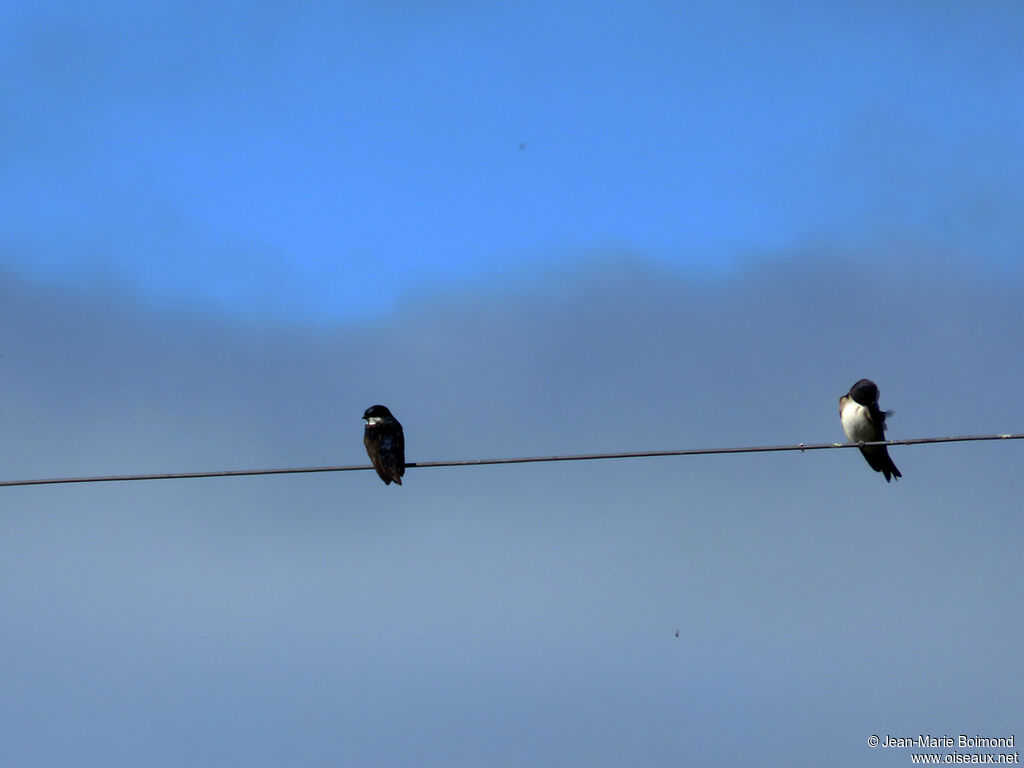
(515, 615)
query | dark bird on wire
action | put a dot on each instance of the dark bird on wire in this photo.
(385, 444)
(864, 422)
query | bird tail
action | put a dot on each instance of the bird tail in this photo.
(887, 467)
(891, 470)
(880, 461)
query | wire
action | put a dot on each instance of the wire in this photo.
(520, 460)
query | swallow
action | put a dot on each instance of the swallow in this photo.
(385, 444)
(864, 422)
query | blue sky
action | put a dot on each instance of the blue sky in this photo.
(226, 229)
(324, 161)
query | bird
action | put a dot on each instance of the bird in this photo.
(385, 444)
(864, 422)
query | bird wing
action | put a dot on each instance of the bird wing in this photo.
(392, 453)
(877, 418)
(400, 449)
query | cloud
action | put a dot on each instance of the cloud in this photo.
(513, 614)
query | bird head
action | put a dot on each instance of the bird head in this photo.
(375, 414)
(864, 392)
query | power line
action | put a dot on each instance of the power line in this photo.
(518, 460)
